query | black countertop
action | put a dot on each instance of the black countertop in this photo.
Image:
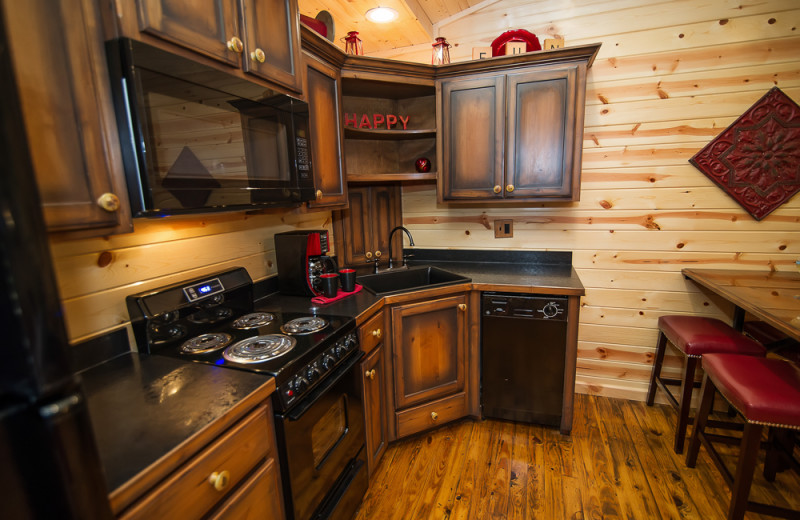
(142, 407)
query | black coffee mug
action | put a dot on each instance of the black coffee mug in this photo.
(347, 278)
(330, 284)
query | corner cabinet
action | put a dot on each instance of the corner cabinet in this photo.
(362, 230)
(325, 100)
(260, 37)
(62, 82)
(512, 128)
(430, 363)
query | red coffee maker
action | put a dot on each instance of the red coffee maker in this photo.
(301, 260)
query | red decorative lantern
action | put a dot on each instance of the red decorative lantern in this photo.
(353, 44)
(441, 52)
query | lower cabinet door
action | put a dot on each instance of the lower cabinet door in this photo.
(374, 406)
(258, 498)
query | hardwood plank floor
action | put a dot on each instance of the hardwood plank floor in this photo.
(618, 463)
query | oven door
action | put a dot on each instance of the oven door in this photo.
(322, 452)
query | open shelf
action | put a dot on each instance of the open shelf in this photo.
(388, 135)
(391, 177)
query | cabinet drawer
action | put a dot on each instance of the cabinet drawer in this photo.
(188, 492)
(257, 499)
(371, 333)
(431, 414)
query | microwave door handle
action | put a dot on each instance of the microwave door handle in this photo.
(308, 401)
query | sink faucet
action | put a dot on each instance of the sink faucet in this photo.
(410, 242)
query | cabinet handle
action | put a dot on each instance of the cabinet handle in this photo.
(319, 194)
(258, 55)
(510, 188)
(368, 254)
(462, 306)
(497, 189)
(370, 374)
(377, 254)
(235, 45)
(434, 416)
(377, 333)
(219, 480)
(109, 202)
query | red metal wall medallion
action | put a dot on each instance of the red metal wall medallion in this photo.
(756, 160)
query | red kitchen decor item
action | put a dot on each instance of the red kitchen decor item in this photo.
(515, 35)
(423, 165)
(756, 160)
(321, 300)
(353, 44)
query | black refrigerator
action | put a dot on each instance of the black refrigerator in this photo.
(49, 466)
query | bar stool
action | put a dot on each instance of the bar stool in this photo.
(765, 392)
(693, 336)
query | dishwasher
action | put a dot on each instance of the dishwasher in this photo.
(523, 349)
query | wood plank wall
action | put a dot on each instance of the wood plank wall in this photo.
(669, 77)
(95, 275)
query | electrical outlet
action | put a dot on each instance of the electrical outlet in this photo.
(503, 228)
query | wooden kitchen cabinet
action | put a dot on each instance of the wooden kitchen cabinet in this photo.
(62, 80)
(515, 133)
(260, 37)
(374, 389)
(324, 101)
(235, 476)
(362, 230)
(429, 354)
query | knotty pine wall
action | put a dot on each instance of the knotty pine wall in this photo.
(669, 77)
(95, 275)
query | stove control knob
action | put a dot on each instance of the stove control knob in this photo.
(339, 351)
(312, 374)
(350, 342)
(550, 310)
(300, 385)
(327, 362)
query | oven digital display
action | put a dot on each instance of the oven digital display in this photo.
(203, 289)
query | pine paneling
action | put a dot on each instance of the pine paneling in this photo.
(669, 77)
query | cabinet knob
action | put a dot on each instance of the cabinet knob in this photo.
(370, 374)
(258, 55)
(220, 479)
(434, 416)
(497, 189)
(109, 202)
(235, 45)
(462, 306)
(377, 333)
(368, 254)
(377, 254)
(319, 194)
(510, 188)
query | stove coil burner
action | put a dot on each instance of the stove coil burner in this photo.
(305, 325)
(258, 349)
(253, 320)
(206, 343)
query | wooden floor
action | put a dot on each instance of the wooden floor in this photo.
(618, 463)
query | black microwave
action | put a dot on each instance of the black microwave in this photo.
(196, 139)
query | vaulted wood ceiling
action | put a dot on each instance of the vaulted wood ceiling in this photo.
(414, 25)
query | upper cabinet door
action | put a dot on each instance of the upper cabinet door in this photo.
(206, 26)
(272, 41)
(62, 79)
(324, 102)
(541, 133)
(473, 120)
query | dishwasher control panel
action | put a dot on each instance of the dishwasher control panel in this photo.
(541, 307)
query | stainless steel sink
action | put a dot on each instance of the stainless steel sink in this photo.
(411, 279)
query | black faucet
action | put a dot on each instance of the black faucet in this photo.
(410, 242)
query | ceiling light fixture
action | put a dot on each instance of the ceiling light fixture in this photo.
(381, 15)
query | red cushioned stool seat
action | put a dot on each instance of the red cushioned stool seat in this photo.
(765, 392)
(693, 336)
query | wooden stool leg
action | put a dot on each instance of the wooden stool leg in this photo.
(685, 404)
(740, 491)
(661, 346)
(700, 420)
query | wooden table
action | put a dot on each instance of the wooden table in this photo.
(773, 297)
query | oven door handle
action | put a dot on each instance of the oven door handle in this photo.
(308, 401)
